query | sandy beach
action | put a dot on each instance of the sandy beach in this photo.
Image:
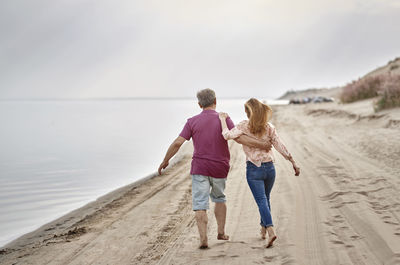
(344, 208)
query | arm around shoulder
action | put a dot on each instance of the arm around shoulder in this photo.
(252, 142)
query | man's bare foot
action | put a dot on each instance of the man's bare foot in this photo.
(271, 242)
(205, 246)
(222, 237)
(203, 243)
(263, 232)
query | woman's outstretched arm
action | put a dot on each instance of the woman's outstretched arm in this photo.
(281, 148)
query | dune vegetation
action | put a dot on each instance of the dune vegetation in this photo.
(385, 87)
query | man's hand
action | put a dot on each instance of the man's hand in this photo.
(267, 145)
(163, 165)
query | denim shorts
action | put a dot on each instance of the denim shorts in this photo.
(201, 191)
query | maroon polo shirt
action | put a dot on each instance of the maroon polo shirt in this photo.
(211, 154)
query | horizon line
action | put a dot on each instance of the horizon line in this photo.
(118, 98)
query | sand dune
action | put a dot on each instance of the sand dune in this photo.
(392, 67)
(343, 209)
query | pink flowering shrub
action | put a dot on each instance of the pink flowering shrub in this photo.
(386, 87)
(361, 89)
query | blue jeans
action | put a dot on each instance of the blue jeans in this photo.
(260, 180)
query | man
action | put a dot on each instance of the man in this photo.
(210, 162)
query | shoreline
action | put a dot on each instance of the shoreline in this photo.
(67, 222)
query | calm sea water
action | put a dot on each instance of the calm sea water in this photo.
(56, 156)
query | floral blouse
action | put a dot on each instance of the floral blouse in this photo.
(256, 155)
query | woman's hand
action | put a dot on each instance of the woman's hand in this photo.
(296, 169)
(222, 118)
(223, 115)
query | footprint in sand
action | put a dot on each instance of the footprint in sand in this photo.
(339, 205)
(332, 233)
(337, 242)
(269, 258)
(355, 237)
(257, 247)
(333, 195)
(391, 223)
(218, 256)
(377, 181)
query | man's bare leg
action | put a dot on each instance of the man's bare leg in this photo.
(202, 220)
(220, 215)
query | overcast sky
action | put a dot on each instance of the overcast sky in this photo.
(127, 48)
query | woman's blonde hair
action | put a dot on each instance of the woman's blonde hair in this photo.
(258, 114)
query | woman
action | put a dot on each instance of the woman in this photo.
(260, 171)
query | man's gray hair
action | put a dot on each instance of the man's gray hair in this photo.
(206, 97)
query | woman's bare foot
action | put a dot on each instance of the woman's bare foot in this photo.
(263, 232)
(223, 237)
(271, 241)
(271, 235)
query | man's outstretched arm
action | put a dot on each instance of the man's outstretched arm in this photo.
(249, 141)
(172, 150)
